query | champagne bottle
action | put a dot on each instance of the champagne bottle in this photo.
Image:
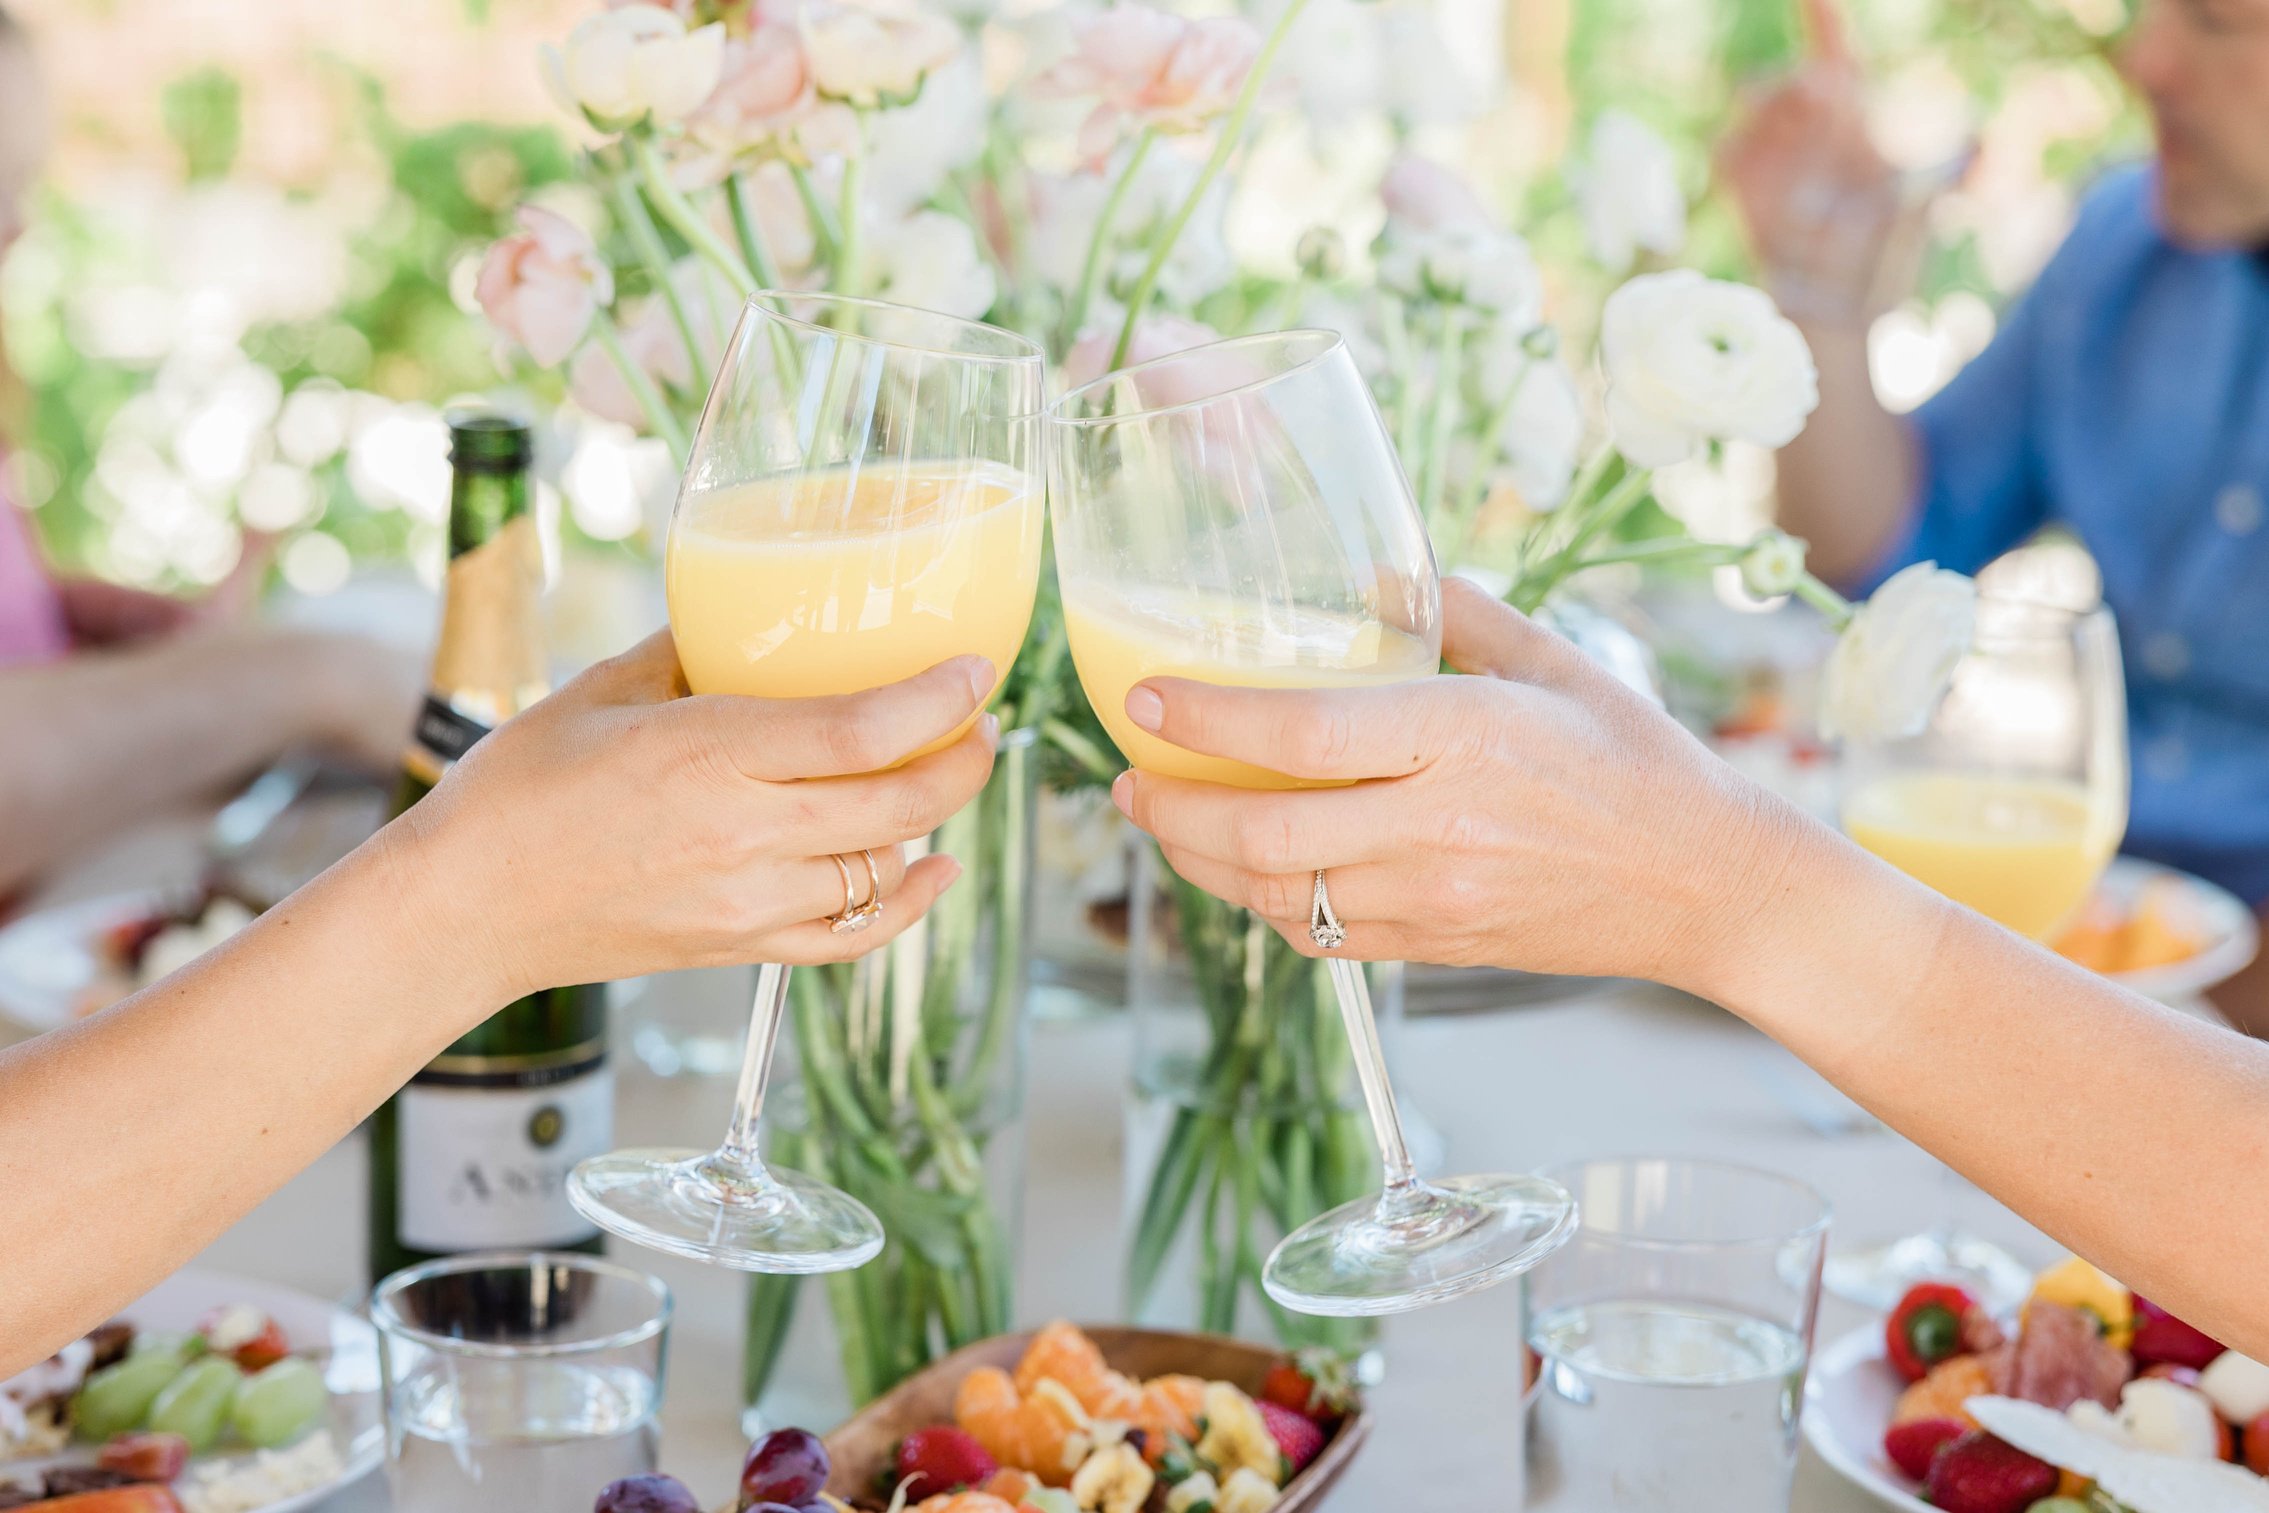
(474, 1153)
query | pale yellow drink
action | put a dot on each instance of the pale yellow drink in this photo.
(1117, 640)
(2023, 851)
(844, 580)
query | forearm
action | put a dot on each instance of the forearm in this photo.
(96, 742)
(2111, 1122)
(129, 1141)
(1847, 483)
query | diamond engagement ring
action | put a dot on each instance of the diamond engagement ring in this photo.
(1324, 927)
(856, 916)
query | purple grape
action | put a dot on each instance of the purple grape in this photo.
(787, 1466)
(646, 1494)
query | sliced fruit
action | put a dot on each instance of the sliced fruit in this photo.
(1980, 1474)
(2080, 1284)
(1943, 1393)
(145, 1456)
(2238, 1385)
(1114, 1479)
(1063, 1353)
(943, 1458)
(1166, 1410)
(1912, 1446)
(1045, 1432)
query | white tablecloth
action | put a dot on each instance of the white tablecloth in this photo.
(1620, 1071)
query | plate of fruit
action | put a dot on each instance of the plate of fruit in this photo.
(2090, 1400)
(2164, 933)
(1064, 1420)
(213, 1394)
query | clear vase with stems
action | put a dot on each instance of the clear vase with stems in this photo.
(904, 1087)
(1244, 1120)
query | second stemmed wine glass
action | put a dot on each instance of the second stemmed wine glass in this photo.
(1235, 514)
(860, 505)
(2012, 801)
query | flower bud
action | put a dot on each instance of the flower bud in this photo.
(1322, 254)
(1773, 565)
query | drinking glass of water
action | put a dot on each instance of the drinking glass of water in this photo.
(1673, 1332)
(518, 1382)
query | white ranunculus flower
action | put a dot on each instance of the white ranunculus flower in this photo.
(931, 261)
(1334, 58)
(639, 60)
(1543, 434)
(871, 52)
(1425, 81)
(1628, 191)
(913, 150)
(1894, 661)
(1691, 360)
(1490, 270)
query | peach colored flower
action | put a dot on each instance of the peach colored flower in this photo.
(1156, 336)
(1149, 68)
(541, 286)
(875, 52)
(621, 66)
(1422, 193)
(763, 93)
(651, 341)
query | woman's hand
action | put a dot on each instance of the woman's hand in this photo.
(622, 827)
(1538, 816)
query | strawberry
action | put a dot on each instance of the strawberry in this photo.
(1912, 1446)
(941, 1459)
(1979, 1474)
(1317, 1383)
(1296, 1434)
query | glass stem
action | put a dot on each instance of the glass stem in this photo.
(738, 1156)
(1400, 1188)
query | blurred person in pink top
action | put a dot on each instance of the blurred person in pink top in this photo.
(115, 704)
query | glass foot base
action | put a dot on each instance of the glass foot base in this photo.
(678, 1201)
(1879, 1275)
(1443, 1240)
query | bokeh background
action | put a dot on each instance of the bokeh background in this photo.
(247, 292)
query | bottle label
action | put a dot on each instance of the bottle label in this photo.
(444, 732)
(484, 1157)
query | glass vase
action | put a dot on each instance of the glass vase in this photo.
(1244, 1120)
(906, 1090)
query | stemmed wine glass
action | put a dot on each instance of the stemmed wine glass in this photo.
(2012, 801)
(1235, 514)
(860, 505)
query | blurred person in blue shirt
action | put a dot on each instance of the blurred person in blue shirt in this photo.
(2125, 400)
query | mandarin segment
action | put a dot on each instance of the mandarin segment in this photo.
(1044, 1432)
(1062, 1352)
(1945, 1391)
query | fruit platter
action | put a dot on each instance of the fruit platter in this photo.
(211, 1395)
(2091, 1399)
(1063, 1420)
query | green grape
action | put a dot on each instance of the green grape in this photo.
(118, 1397)
(187, 1346)
(195, 1403)
(277, 1405)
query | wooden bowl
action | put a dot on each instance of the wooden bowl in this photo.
(863, 1446)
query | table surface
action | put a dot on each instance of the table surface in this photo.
(1613, 1070)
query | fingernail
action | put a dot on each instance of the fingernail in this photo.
(979, 671)
(990, 724)
(952, 874)
(1122, 793)
(1145, 708)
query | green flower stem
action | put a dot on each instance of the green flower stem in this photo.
(847, 248)
(1224, 148)
(632, 211)
(1091, 267)
(1458, 534)
(1531, 591)
(688, 222)
(1434, 468)
(641, 385)
(823, 230)
(1827, 601)
(1675, 551)
(744, 229)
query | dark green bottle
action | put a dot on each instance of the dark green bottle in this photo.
(474, 1153)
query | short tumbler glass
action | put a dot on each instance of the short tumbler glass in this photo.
(1673, 1332)
(518, 1382)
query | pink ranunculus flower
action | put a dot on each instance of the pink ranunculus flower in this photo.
(764, 92)
(1423, 194)
(651, 341)
(541, 286)
(1155, 336)
(1149, 68)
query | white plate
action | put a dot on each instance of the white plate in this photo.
(2232, 936)
(48, 958)
(1847, 1405)
(346, 1347)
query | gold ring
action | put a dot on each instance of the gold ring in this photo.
(855, 916)
(1324, 927)
(872, 908)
